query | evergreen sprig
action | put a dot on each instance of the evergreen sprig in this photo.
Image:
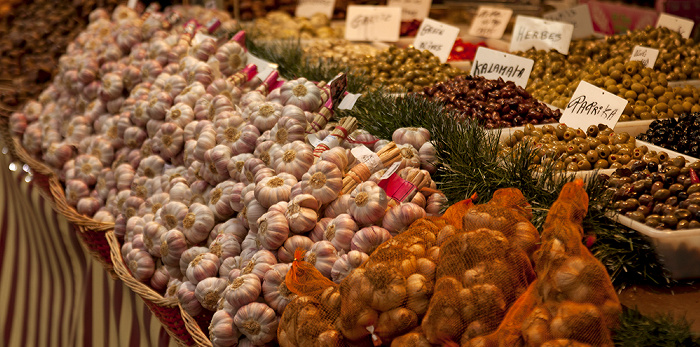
(662, 330)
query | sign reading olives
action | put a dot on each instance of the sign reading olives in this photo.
(307, 8)
(493, 64)
(412, 9)
(436, 37)
(490, 22)
(530, 32)
(373, 23)
(645, 55)
(591, 105)
(682, 25)
(579, 16)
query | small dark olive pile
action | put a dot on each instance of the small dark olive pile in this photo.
(498, 104)
(662, 195)
(681, 135)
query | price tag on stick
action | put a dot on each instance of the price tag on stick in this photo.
(646, 55)
(493, 64)
(373, 23)
(682, 25)
(490, 22)
(530, 32)
(579, 16)
(307, 8)
(591, 105)
(338, 86)
(412, 9)
(436, 37)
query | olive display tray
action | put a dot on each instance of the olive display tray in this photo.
(670, 153)
(633, 128)
(678, 250)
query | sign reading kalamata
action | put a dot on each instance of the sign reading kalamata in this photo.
(493, 64)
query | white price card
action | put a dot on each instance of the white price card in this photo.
(493, 64)
(436, 37)
(591, 105)
(349, 101)
(265, 67)
(132, 4)
(373, 23)
(490, 22)
(308, 8)
(530, 32)
(646, 55)
(412, 9)
(367, 157)
(579, 16)
(390, 171)
(684, 26)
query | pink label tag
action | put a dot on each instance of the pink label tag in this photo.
(240, 38)
(397, 187)
(213, 25)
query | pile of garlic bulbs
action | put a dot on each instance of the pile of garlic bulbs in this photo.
(212, 186)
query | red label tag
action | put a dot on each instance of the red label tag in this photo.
(397, 187)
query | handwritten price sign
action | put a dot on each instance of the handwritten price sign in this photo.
(591, 105)
(579, 16)
(681, 25)
(307, 8)
(530, 32)
(490, 22)
(493, 64)
(646, 55)
(373, 23)
(436, 37)
(412, 9)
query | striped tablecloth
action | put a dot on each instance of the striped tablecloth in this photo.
(51, 292)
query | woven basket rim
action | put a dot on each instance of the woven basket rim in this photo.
(193, 328)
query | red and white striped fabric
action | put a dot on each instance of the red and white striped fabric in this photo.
(51, 292)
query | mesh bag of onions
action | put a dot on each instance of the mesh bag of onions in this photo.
(473, 277)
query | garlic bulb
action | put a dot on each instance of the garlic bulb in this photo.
(273, 189)
(153, 234)
(323, 180)
(172, 246)
(253, 211)
(243, 290)
(187, 298)
(346, 263)
(215, 169)
(368, 203)
(288, 130)
(338, 206)
(273, 230)
(202, 266)
(180, 114)
(436, 202)
(265, 115)
(151, 166)
(197, 223)
(302, 93)
(337, 156)
(428, 157)
(231, 57)
(88, 168)
(209, 290)
(301, 213)
(340, 232)
(322, 255)
(76, 190)
(259, 263)
(250, 168)
(159, 280)
(222, 331)
(286, 253)
(190, 95)
(172, 214)
(368, 239)
(258, 322)
(398, 218)
(220, 200)
(237, 134)
(263, 150)
(317, 234)
(168, 140)
(226, 246)
(274, 288)
(415, 137)
(293, 111)
(295, 158)
(235, 166)
(141, 264)
(409, 156)
(205, 142)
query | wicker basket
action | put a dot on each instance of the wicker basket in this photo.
(166, 310)
(194, 327)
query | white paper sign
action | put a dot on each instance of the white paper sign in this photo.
(490, 22)
(591, 105)
(373, 23)
(436, 37)
(646, 55)
(265, 67)
(682, 25)
(530, 32)
(493, 64)
(307, 8)
(313, 140)
(349, 101)
(391, 170)
(366, 156)
(132, 4)
(579, 16)
(412, 9)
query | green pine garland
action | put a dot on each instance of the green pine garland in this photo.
(637, 330)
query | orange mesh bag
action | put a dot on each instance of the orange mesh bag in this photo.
(572, 302)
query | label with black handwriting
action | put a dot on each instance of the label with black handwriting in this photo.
(579, 16)
(530, 32)
(684, 26)
(646, 55)
(490, 22)
(493, 64)
(412, 9)
(436, 37)
(373, 23)
(307, 8)
(591, 105)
